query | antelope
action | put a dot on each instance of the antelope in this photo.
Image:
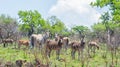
(54, 45)
(6, 41)
(92, 45)
(77, 46)
(23, 42)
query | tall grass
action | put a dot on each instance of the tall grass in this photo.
(12, 54)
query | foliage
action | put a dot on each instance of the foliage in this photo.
(113, 5)
(67, 32)
(10, 54)
(31, 20)
(98, 27)
(5, 19)
(110, 18)
(8, 26)
(56, 25)
(80, 29)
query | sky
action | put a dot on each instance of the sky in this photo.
(71, 12)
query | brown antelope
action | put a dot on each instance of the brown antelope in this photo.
(54, 45)
(23, 42)
(7, 41)
(65, 41)
(77, 46)
(92, 45)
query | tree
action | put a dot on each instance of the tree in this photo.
(80, 29)
(31, 21)
(114, 13)
(66, 32)
(111, 17)
(113, 6)
(8, 26)
(98, 32)
(56, 25)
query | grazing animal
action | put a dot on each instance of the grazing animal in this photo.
(7, 41)
(54, 45)
(23, 42)
(37, 40)
(65, 41)
(77, 46)
(92, 45)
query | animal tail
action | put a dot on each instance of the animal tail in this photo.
(67, 41)
(31, 41)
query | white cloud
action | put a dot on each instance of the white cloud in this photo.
(75, 12)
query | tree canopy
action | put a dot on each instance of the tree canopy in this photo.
(8, 26)
(80, 29)
(31, 21)
(56, 25)
(113, 6)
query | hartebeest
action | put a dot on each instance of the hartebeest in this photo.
(7, 41)
(54, 45)
(23, 42)
(77, 46)
(92, 45)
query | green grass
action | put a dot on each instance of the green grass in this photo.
(12, 54)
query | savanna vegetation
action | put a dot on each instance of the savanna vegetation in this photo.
(97, 46)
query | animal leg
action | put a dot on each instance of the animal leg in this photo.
(66, 48)
(73, 54)
(32, 42)
(88, 50)
(78, 54)
(57, 54)
(49, 53)
(94, 50)
(40, 47)
(3, 44)
(19, 45)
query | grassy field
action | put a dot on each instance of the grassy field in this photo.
(10, 53)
